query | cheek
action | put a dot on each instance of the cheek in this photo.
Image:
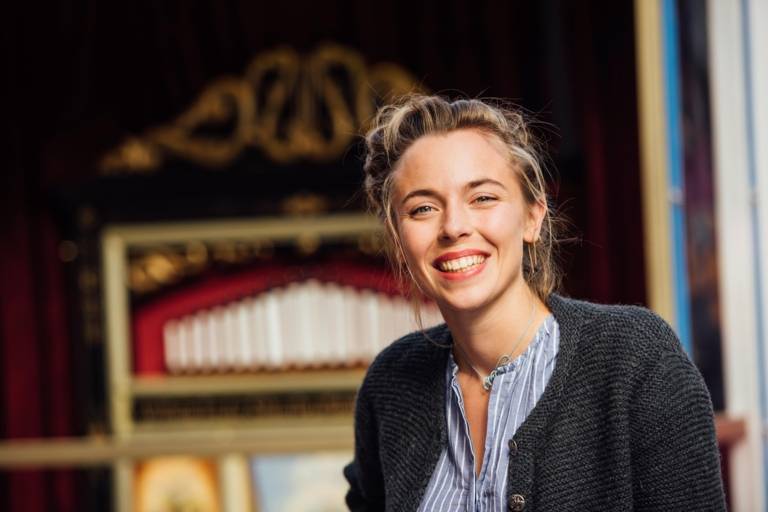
(415, 243)
(504, 227)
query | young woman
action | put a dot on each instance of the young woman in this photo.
(523, 399)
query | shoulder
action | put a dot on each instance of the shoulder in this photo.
(410, 352)
(618, 343)
(411, 362)
(631, 354)
(631, 326)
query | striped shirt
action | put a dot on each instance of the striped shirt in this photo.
(516, 389)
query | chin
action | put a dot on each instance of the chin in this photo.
(466, 303)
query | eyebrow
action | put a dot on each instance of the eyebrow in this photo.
(469, 186)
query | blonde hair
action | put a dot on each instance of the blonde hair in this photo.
(398, 125)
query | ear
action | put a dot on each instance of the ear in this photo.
(536, 212)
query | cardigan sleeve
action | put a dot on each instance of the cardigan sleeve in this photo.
(366, 486)
(675, 458)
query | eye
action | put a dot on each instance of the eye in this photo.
(420, 210)
(484, 199)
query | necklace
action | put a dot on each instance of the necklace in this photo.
(503, 359)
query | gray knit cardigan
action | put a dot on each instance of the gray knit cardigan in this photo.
(625, 422)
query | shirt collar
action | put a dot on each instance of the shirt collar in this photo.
(543, 333)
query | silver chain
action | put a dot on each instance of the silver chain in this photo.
(503, 359)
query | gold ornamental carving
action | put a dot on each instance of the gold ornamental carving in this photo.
(165, 265)
(289, 106)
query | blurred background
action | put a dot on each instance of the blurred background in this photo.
(191, 290)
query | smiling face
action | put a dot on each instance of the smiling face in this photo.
(462, 219)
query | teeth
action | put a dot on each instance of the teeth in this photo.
(461, 264)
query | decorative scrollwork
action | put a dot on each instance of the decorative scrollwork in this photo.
(165, 265)
(289, 106)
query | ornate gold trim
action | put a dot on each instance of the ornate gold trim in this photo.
(154, 266)
(288, 105)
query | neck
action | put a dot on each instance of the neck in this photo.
(505, 328)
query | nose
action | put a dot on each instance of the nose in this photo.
(456, 223)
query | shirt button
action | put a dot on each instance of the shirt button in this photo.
(512, 447)
(516, 503)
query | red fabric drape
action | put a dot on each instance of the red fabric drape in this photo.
(602, 65)
(35, 347)
(21, 351)
(36, 358)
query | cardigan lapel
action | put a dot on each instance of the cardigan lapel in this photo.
(427, 449)
(531, 434)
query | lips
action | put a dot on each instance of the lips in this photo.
(460, 261)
